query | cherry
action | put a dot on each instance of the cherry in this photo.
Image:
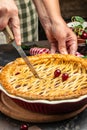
(65, 76)
(57, 73)
(24, 127)
(84, 35)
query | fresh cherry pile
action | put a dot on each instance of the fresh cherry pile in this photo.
(57, 73)
(79, 29)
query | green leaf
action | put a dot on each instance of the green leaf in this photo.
(80, 33)
(84, 57)
(79, 26)
(85, 29)
(77, 19)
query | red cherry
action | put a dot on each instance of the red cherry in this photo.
(24, 127)
(84, 35)
(57, 73)
(65, 76)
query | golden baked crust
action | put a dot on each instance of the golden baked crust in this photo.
(18, 80)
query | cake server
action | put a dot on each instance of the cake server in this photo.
(10, 39)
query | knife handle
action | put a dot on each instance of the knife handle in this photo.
(8, 33)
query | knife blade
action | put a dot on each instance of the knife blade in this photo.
(25, 58)
(10, 39)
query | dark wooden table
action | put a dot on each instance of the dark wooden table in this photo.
(79, 122)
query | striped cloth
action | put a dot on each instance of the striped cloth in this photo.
(28, 20)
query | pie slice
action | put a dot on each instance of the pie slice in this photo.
(17, 79)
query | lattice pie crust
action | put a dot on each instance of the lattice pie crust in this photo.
(18, 80)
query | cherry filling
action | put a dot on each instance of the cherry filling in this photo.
(17, 73)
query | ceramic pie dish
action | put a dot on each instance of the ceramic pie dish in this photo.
(52, 93)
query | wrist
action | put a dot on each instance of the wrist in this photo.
(45, 21)
(57, 20)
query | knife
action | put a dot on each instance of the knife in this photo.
(10, 39)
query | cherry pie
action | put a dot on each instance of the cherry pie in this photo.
(18, 80)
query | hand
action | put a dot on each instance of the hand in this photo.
(61, 38)
(9, 15)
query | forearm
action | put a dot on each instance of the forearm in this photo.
(42, 13)
(53, 9)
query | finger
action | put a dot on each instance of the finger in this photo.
(15, 25)
(3, 22)
(72, 45)
(73, 48)
(62, 47)
(53, 47)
